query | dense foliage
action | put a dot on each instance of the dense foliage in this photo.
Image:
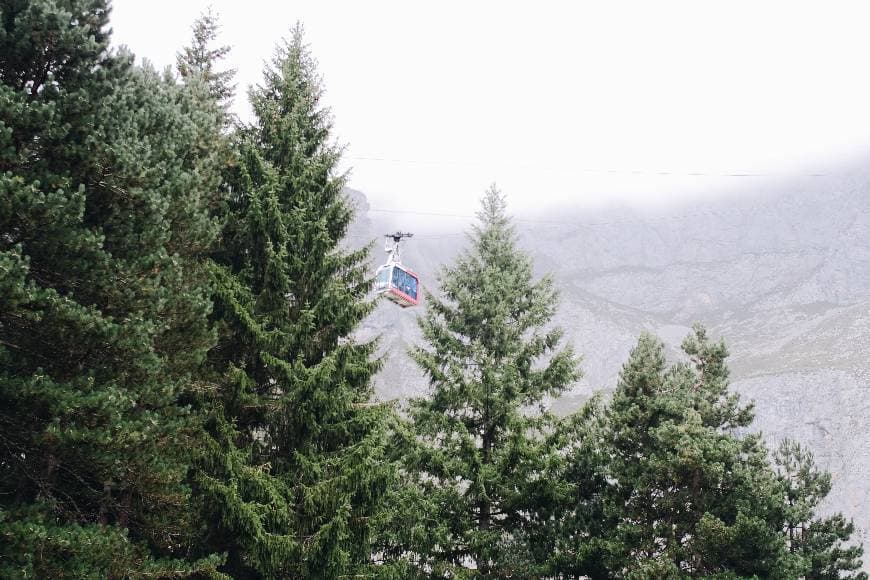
(693, 498)
(182, 393)
(481, 441)
(297, 467)
(102, 313)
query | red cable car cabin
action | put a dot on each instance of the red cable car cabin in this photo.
(398, 284)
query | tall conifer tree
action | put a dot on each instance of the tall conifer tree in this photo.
(201, 61)
(297, 468)
(693, 498)
(492, 361)
(822, 543)
(102, 318)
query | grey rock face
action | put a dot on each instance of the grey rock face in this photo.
(783, 276)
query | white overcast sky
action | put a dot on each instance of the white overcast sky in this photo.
(587, 103)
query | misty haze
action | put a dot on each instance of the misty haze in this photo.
(354, 290)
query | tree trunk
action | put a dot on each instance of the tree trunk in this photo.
(485, 504)
(485, 507)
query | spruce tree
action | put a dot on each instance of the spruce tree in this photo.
(200, 61)
(103, 318)
(820, 542)
(295, 472)
(693, 498)
(484, 436)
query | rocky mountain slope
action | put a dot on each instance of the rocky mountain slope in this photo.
(782, 273)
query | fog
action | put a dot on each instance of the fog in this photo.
(593, 105)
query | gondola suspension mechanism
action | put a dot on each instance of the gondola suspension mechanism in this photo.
(393, 280)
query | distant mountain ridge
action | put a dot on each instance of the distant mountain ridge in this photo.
(783, 276)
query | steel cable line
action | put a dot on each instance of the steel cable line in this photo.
(605, 171)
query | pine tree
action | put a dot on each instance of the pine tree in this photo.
(692, 497)
(820, 542)
(492, 360)
(102, 316)
(296, 470)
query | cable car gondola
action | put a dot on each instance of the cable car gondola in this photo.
(393, 280)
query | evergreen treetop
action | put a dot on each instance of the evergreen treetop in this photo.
(491, 360)
(199, 60)
(298, 463)
(693, 497)
(821, 543)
